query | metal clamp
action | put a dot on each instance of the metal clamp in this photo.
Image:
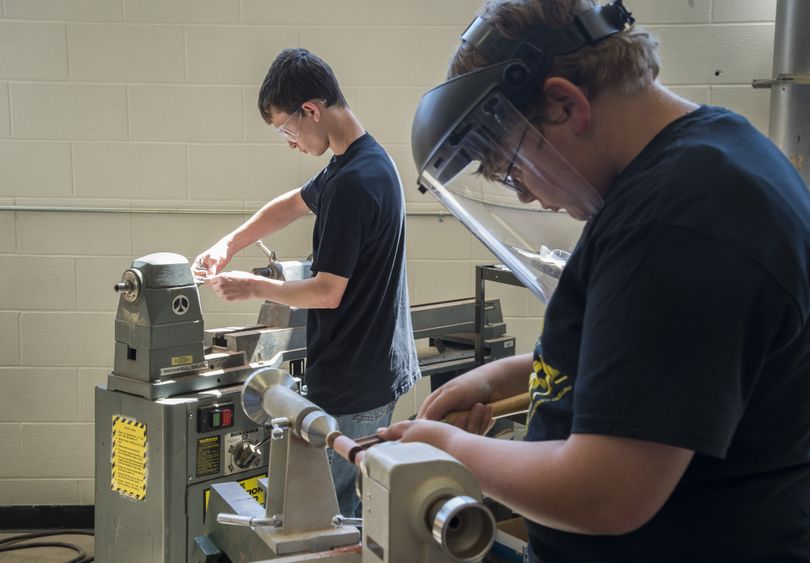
(250, 521)
(280, 422)
(280, 427)
(271, 255)
(274, 270)
(803, 79)
(339, 521)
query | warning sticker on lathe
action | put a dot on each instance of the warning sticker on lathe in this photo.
(129, 457)
(209, 455)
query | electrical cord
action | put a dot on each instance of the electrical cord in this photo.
(82, 557)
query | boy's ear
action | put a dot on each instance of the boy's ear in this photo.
(565, 102)
(313, 109)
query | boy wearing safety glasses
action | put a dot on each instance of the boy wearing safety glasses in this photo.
(360, 351)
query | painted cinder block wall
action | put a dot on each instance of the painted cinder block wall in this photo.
(150, 104)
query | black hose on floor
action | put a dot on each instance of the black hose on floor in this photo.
(7, 543)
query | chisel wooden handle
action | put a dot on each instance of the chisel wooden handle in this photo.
(501, 408)
(354, 450)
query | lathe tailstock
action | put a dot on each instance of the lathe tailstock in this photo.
(420, 505)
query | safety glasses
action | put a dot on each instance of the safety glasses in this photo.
(511, 178)
(291, 126)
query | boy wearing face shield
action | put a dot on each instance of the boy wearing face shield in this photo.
(670, 385)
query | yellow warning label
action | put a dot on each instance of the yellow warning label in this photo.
(129, 457)
(251, 485)
(182, 360)
(209, 455)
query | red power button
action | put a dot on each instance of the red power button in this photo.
(227, 417)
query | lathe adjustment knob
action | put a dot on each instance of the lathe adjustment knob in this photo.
(245, 454)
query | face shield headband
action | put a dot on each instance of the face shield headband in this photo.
(470, 141)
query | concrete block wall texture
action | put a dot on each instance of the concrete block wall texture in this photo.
(151, 104)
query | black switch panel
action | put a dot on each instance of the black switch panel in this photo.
(214, 417)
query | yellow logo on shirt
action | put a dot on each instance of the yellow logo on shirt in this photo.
(546, 385)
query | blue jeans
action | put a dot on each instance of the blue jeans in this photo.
(344, 474)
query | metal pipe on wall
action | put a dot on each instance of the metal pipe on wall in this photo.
(790, 87)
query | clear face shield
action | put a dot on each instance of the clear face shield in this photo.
(504, 181)
(470, 144)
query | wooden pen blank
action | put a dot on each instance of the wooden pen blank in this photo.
(347, 448)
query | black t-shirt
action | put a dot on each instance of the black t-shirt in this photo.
(682, 318)
(360, 355)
